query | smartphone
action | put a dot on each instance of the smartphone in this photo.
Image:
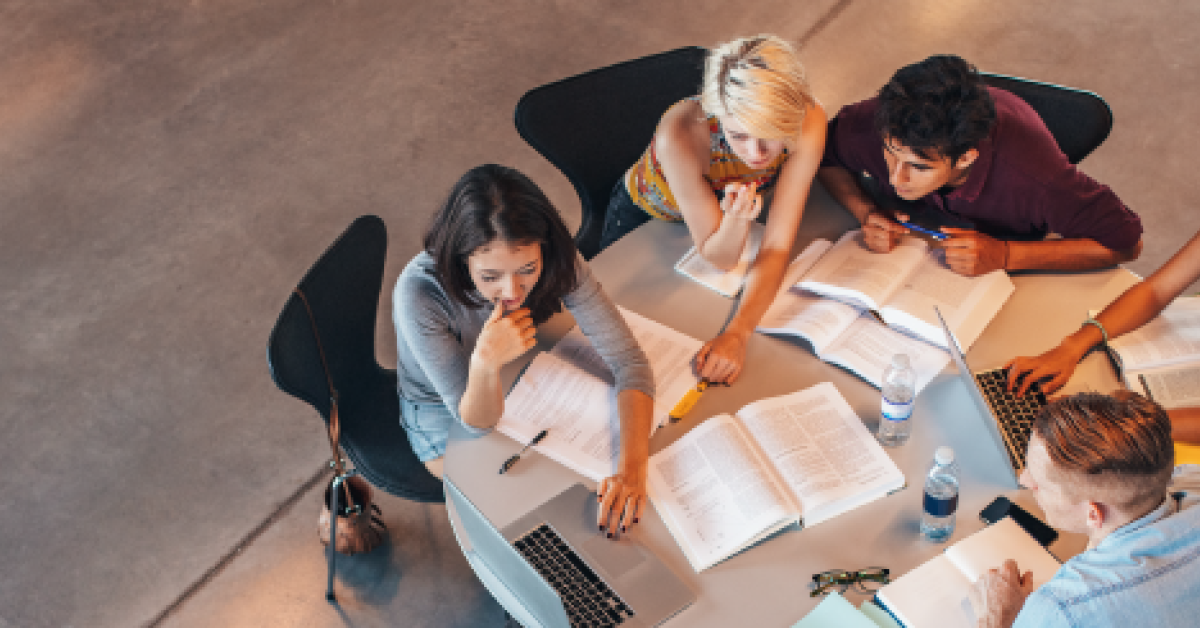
(1001, 507)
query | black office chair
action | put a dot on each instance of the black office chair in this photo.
(342, 289)
(1079, 120)
(593, 126)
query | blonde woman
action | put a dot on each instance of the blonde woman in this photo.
(755, 125)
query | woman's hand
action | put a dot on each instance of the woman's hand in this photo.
(741, 201)
(720, 360)
(621, 499)
(504, 337)
(1055, 366)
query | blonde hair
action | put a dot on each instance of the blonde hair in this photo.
(759, 82)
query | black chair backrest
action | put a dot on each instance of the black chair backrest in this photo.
(593, 126)
(343, 289)
(1079, 120)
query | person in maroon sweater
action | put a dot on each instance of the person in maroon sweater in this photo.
(939, 148)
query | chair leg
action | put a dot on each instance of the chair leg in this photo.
(331, 549)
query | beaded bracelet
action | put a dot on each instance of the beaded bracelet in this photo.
(1103, 332)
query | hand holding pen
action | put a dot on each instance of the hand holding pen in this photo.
(512, 460)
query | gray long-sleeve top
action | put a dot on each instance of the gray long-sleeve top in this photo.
(435, 335)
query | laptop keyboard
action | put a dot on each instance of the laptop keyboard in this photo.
(1015, 414)
(589, 602)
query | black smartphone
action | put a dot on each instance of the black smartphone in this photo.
(1001, 507)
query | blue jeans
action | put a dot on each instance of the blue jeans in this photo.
(622, 216)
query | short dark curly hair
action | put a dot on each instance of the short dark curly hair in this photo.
(494, 203)
(939, 106)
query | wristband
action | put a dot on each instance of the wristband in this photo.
(1103, 332)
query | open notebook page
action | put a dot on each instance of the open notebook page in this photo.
(726, 282)
(822, 450)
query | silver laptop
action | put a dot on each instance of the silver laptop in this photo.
(1009, 418)
(567, 573)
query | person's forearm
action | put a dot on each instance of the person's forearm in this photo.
(845, 189)
(482, 402)
(762, 285)
(724, 247)
(1073, 254)
(636, 410)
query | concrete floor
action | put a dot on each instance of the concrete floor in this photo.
(169, 170)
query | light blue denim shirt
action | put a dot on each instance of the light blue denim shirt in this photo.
(1146, 573)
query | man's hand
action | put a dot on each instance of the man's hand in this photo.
(741, 201)
(972, 253)
(720, 360)
(621, 499)
(998, 595)
(880, 233)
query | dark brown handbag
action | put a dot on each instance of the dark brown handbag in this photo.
(359, 528)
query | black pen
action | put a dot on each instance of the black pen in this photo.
(508, 464)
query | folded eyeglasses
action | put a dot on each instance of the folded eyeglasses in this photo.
(866, 580)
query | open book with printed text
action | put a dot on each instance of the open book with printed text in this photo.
(1162, 357)
(735, 480)
(858, 308)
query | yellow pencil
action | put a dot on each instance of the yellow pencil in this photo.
(689, 399)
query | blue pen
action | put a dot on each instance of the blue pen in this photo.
(936, 235)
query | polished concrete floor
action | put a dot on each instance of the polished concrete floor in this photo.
(169, 170)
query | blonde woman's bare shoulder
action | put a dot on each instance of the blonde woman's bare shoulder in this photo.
(684, 128)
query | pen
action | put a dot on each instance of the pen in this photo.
(508, 464)
(689, 399)
(936, 235)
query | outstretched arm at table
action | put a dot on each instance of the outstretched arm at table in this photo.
(1134, 308)
(623, 495)
(974, 253)
(721, 359)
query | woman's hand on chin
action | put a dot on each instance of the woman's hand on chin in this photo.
(504, 337)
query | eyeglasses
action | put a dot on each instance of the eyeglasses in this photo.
(866, 580)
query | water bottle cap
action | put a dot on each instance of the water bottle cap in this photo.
(944, 455)
(900, 361)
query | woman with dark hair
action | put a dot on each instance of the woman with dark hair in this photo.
(498, 261)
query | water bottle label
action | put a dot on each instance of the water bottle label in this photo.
(940, 507)
(897, 411)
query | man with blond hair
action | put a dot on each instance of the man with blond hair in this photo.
(1100, 465)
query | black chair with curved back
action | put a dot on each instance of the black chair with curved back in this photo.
(342, 288)
(595, 125)
(1079, 120)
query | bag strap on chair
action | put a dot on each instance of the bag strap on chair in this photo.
(334, 425)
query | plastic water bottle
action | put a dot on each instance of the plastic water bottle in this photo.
(941, 497)
(899, 391)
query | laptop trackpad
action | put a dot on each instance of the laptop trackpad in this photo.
(614, 557)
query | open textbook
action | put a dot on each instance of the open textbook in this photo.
(569, 391)
(1163, 355)
(727, 282)
(859, 308)
(734, 480)
(935, 594)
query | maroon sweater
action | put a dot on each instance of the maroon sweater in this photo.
(1020, 187)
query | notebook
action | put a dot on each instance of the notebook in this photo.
(566, 573)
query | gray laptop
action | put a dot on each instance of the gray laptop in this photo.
(567, 573)
(1009, 418)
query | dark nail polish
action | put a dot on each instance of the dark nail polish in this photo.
(622, 529)
(602, 527)
(635, 519)
(610, 535)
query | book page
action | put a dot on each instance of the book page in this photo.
(727, 282)
(578, 409)
(821, 449)
(835, 612)
(670, 353)
(802, 313)
(934, 595)
(714, 491)
(967, 303)
(867, 347)
(1173, 337)
(1003, 540)
(853, 273)
(1171, 387)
